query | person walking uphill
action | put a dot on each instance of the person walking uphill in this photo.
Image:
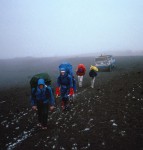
(80, 72)
(93, 73)
(41, 98)
(64, 88)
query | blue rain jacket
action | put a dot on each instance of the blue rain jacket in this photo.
(65, 82)
(45, 95)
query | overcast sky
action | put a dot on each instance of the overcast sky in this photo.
(69, 27)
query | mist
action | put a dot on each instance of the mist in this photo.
(70, 28)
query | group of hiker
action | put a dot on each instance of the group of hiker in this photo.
(80, 72)
(43, 95)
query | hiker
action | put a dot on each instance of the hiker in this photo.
(41, 98)
(80, 72)
(93, 74)
(64, 87)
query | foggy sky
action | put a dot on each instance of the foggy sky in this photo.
(69, 27)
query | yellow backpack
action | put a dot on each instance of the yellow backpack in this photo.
(93, 68)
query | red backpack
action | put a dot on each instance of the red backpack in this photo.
(81, 70)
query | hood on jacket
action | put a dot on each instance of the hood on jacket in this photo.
(41, 81)
(62, 70)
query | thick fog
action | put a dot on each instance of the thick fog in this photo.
(70, 27)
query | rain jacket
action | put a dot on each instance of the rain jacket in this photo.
(65, 82)
(45, 95)
(92, 73)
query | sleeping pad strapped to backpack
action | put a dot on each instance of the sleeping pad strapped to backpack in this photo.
(34, 79)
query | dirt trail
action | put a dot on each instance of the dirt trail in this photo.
(108, 117)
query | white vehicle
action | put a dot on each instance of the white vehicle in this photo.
(105, 62)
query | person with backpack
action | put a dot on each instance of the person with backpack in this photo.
(93, 73)
(65, 87)
(80, 72)
(41, 98)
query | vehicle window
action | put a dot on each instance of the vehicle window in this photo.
(101, 59)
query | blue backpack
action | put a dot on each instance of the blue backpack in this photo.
(67, 67)
(69, 70)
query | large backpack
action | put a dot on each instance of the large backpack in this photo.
(34, 79)
(93, 68)
(67, 67)
(81, 69)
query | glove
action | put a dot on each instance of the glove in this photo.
(71, 92)
(57, 91)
